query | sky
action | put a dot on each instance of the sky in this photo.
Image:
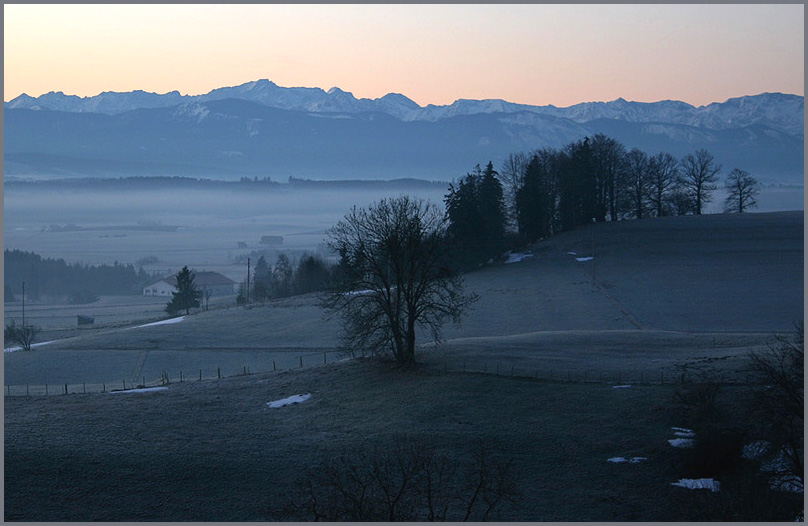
(433, 53)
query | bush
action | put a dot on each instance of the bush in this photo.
(408, 482)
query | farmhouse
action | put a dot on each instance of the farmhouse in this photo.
(212, 282)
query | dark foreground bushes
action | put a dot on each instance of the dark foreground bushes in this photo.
(407, 482)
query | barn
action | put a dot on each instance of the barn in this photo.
(213, 282)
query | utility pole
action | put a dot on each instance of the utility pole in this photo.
(247, 293)
(23, 304)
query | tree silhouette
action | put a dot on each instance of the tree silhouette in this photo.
(698, 176)
(188, 296)
(394, 277)
(743, 188)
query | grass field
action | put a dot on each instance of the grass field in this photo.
(673, 296)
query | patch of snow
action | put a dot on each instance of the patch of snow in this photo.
(295, 399)
(516, 258)
(683, 443)
(621, 386)
(682, 429)
(710, 484)
(572, 253)
(161, 322)
(357, 292)
(589, 258)
(633, 460)
(141, 390)
(686, 434)
(15, 349)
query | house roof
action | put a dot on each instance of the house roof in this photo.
(202, 279)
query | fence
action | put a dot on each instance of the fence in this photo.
(166, 378)
(434, 366)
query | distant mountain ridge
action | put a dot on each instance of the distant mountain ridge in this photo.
(775, 110)
(261, 129)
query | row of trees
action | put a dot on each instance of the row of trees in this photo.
(599, 179)
(56, 278)
(285, 279)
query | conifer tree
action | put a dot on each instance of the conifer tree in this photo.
(188, 296)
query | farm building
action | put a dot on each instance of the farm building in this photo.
(213, 282)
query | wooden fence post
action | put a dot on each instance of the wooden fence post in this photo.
(103, 387)
(301, 362)
(46, 389)
(219, 372)
(273, 366)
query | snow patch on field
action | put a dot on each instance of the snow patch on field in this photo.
(142, 390)
(632, 460)
(621, 386)
(687, 440)
(683, 443)
(15, 349)
(295, 399)
(517, 257)
(710, 484)
(589, 258)
(161, 322)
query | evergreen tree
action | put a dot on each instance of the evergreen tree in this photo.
(188, 296)
(536, 197)
(311, 275)
(282, 274)
(262, 281)
(577, 185)
(476, 212)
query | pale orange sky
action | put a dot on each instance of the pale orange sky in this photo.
(434, 54)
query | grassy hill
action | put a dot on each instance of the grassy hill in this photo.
(531, 373)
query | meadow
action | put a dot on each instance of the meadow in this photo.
(562, 365)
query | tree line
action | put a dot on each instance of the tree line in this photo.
(311, 274)
(546, 191)
(77, 282)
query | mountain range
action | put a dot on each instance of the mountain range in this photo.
(260, 128)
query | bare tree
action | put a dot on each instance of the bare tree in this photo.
(743, 188)
(663, 170)
(610, 158)
(637, 182)
(407, 482)
(393, 276)
(781, 403)
(23, 335)
(512, 173)
(699, 173)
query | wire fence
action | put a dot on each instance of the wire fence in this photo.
(494, 368)
(170, 377)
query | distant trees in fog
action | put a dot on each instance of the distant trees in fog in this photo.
(284, 279)
(56, 278)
